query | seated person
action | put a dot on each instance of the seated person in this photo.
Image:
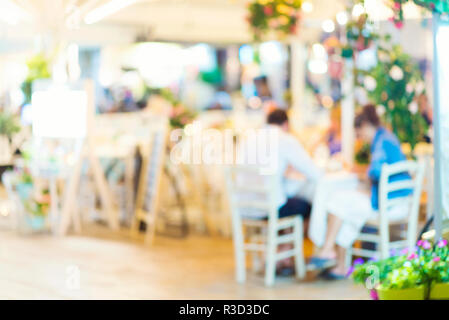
(349, 210)
(288, 154)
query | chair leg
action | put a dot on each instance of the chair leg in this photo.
(240, 262)
(299, 249)
(384, 232)
(348, 258)
(270, 270)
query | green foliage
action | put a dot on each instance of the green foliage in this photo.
(281, 16)
(427, 264)
(362, 271)
(8, 125)
(397, 82)
(38, 68)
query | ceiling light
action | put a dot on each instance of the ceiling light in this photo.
(106, 10)
(342, 18)
(307, 7)
(328, 25)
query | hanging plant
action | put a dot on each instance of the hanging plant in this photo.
(438, 6)
(360, 32)
(394, 85)
(38, 68)
(280, 16)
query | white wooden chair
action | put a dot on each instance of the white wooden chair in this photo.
(382, 222)
(251, 196)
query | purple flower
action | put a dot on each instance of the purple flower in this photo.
(426, 245)
(442, 243)
(350, 271)
(420, 243)
(412, 256)
(436, 259)
(359, 261)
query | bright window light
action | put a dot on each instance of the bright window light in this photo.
(358, 10)
(307, 7)
(318, 66)
(246, 54)
(342, 18)
(328, 26)
(271, 53)
(319, 51)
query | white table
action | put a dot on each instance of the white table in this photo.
(341, 180)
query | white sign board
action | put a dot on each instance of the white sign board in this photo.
(59, 113)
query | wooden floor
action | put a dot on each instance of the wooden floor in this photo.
(113, 267)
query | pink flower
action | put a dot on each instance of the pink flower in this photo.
(436, 259)
(442, 243)
(398, 24)
(397, 5)
(412, 256)
(374, 295)
(420, 243)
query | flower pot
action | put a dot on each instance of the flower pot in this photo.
(439, 291)
(24, 190)
(36, 223)
(402, 294)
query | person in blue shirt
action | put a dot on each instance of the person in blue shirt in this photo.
(350, 209)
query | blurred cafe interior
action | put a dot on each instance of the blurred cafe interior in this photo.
(221, 149)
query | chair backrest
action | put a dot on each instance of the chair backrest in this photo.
(410, 176)
(251, 193)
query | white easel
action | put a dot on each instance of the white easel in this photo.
(68, 211)
(79, 130)
(148, 194)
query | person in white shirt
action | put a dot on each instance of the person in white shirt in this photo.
(283, 152)
(277, 152)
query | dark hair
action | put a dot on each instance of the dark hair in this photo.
(277, 117)
(261, 80)
(367, 116)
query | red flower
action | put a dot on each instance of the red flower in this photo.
(397, 5)
(268, 10)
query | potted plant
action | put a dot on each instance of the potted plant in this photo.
(373, 273)
(405, 282)
(420, 274)
(35, 201)
(438, 266)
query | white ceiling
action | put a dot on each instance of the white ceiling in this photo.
(205, 20)
(220, 21)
